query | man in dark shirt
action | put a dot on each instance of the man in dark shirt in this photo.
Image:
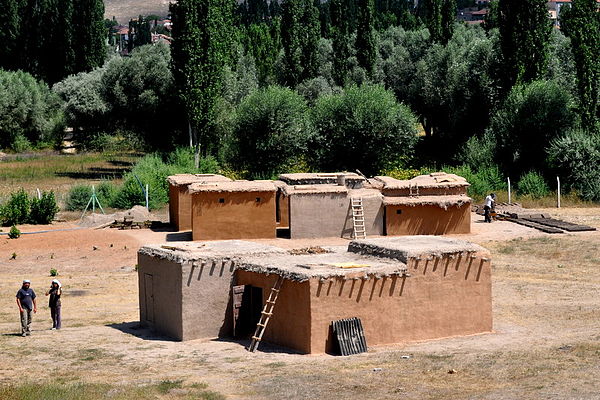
(26, 303)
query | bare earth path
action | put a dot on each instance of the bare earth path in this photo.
(546, 342)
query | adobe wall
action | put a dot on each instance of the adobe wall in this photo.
(442, 297)
(240, 216)
(290, 323)
(330, 215)
(284, 211)
(426, 191)
(160, 305)
(206, 299)
(427, 220)
(174, 206)
(180, 207)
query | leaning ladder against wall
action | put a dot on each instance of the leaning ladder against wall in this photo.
(358, 218)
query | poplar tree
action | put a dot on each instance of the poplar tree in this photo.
(581, 23)
(524, 38)
(449, 10)
(89, 34)
(340, 34)
(310, 39)
(366, 51)
(291, 40)
(9, 34)
(430, 12)
(202, 47)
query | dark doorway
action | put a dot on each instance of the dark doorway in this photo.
(247, 306)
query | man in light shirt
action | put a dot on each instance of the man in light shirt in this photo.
(488, 206)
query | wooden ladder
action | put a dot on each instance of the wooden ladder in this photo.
(266, 314)
(358, 218)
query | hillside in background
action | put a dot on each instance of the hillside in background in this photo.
(124, 10)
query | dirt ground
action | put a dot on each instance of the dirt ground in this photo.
(545, 344)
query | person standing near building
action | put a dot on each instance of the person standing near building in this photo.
(488, 206)
(54, 303)
(27, 304)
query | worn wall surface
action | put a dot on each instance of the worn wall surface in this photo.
(330, 215)
(206, 299)
(160, 295)
(174, 206)
(427, 220)
(290, 324)
(180, 207)
(283, 202)
(442, 297)
(238, 216)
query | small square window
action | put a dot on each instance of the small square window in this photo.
(221, 200)
(258, 199)
(398, 212)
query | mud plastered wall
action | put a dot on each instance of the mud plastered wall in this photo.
(330, 215)
(442, 297)
(427, 220)
(233, 215)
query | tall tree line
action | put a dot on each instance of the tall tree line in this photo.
(52, 38)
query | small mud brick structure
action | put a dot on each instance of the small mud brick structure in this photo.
(325, 210)
(435, 204)
(348, 179)
(233, 210)
(180, 200)
(184, 286)
(402, 289)
(311, 205)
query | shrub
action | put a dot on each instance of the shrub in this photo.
(78, 197)
(483, 181)
(271, 128)
(530, 118)
(153, 171)
(14, 233)
(106, 192)
(29, 111)
(362, 128)
(575, 157)
(16, 210)
(44, 209)
(533, 184)
(53, 272)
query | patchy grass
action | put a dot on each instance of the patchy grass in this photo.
(60, 172)
(92, 391)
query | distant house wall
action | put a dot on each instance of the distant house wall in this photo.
(427, 220)
(160, 295)
(442, 297)
(233, 215)
(180, 207)
(317, 215)
(283, 202)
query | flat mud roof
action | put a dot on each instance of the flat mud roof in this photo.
(405, 247)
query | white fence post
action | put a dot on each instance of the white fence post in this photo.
(557, 192)
(508, 179)
(147, 208)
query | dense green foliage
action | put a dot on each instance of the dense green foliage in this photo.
(29, 112)
(21, 209)
(43, 209)
(52, 38)
(524, 37)
(133, 93)
(202, 47)
(533, 184)
(531, 117)
(272, 126)
(581, 23)
(575, 157)
(362, 128)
